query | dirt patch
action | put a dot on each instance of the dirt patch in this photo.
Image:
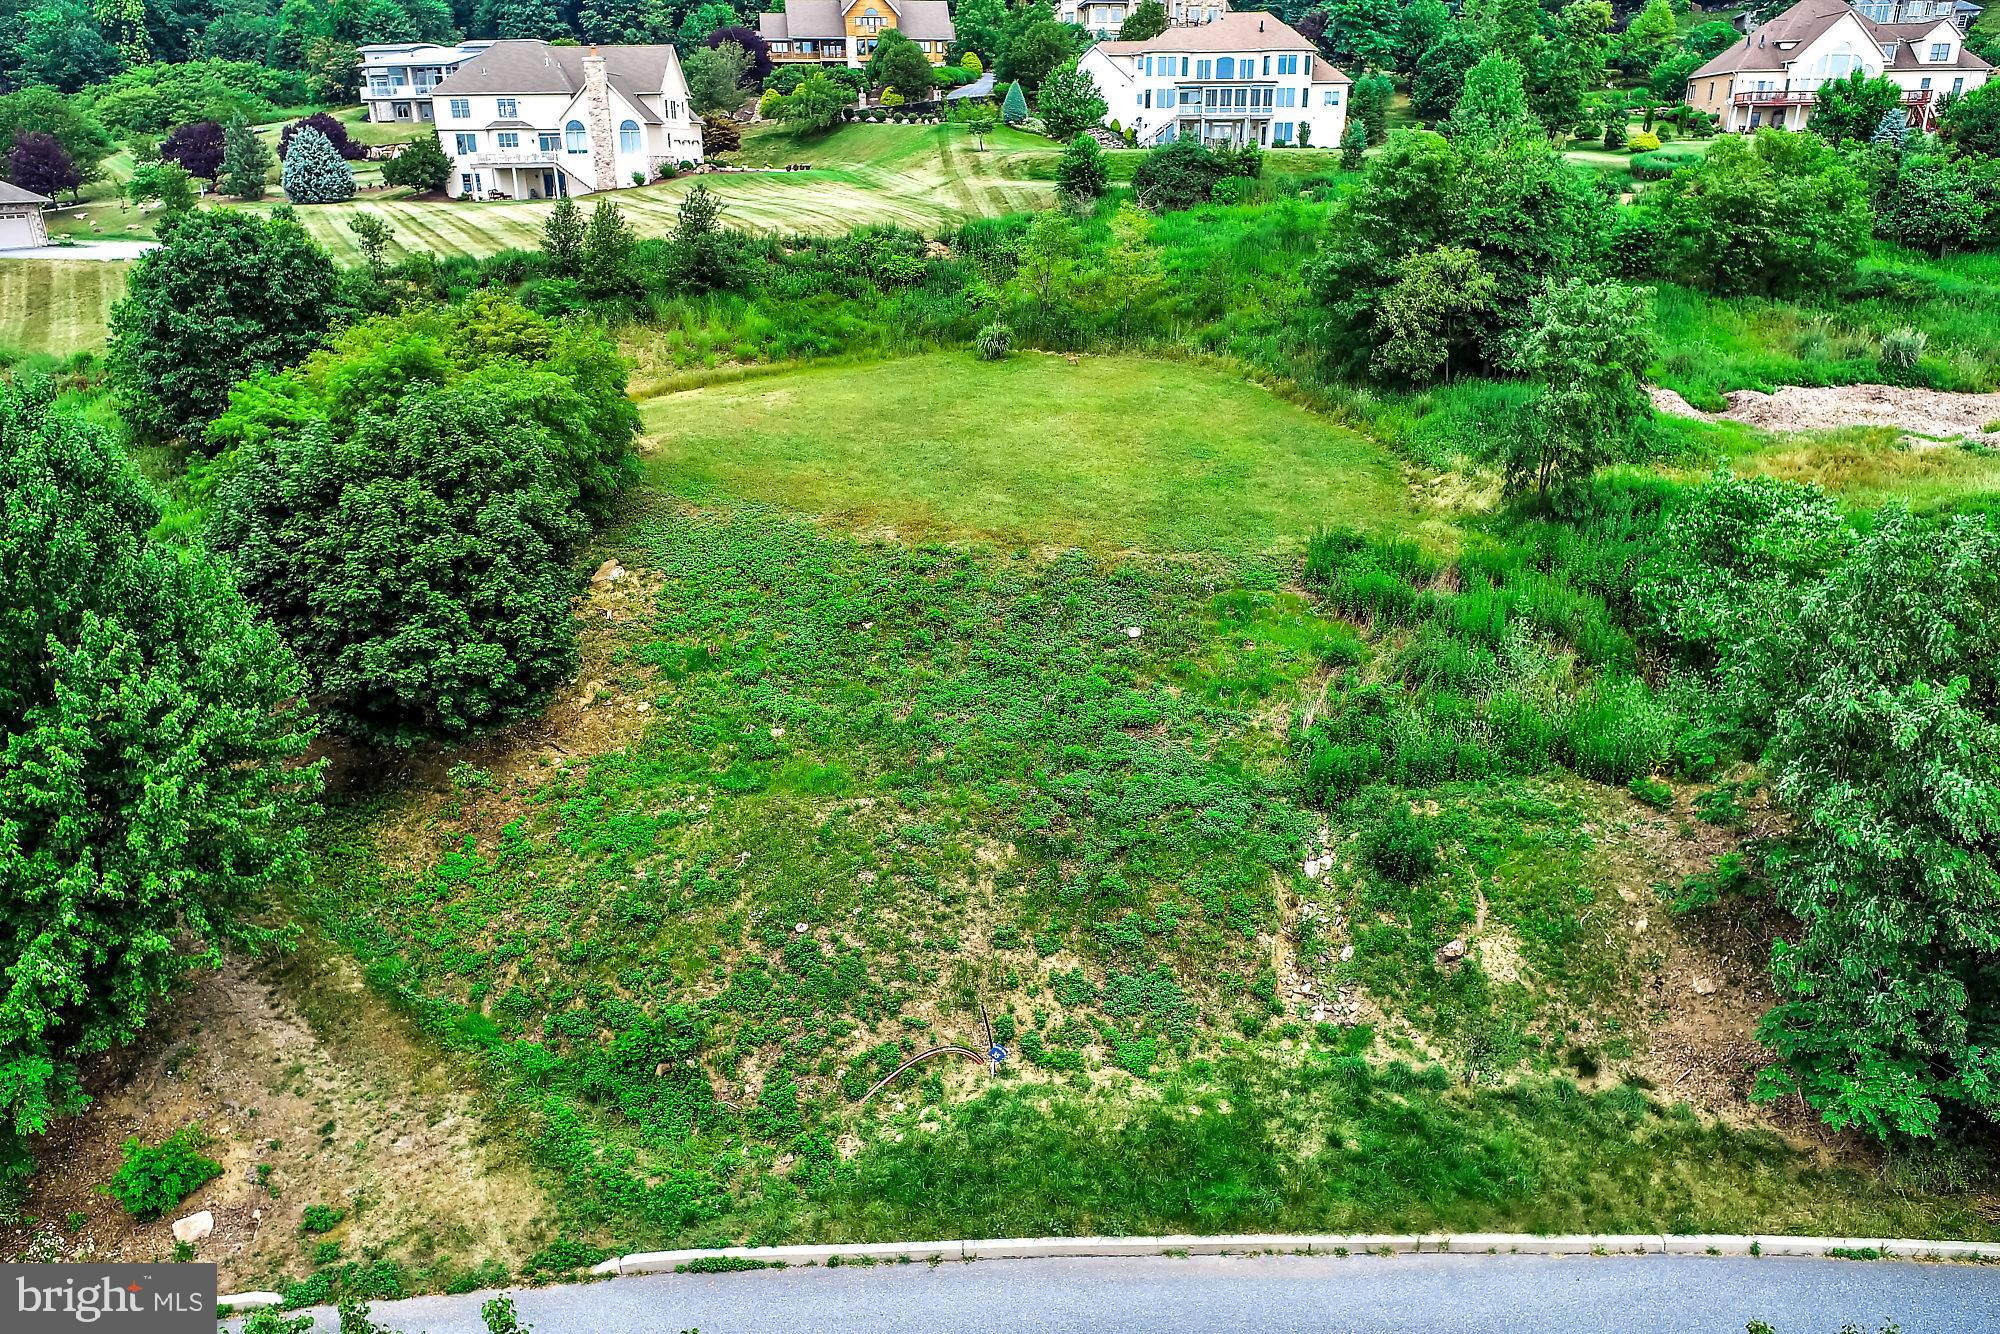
(357, 1113)
(1929, 413)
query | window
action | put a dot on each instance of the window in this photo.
(1281, 132)
(1225, 68)
(1332, 98)
(1285, 96)
(1837, 63)
(1958, 85)
(628, 136)
(508, 138)
(1924, 84)
(1888, 51)
(1267, 64)
(461, 108)
(1204, 69)
(548, 141)
(465, 182)
(508, 108)
(1940, 52)
(573, 137)
(1288, 64)
(1146, 99)
(467, 143)
(1149, 64)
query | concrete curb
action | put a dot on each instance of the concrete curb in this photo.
(1473, 1243)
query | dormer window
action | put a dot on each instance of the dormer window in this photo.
(1888, 51)
(1940, 52)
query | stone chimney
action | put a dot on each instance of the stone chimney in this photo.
(597, 116)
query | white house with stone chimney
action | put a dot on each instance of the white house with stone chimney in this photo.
(527, 120)
(1246, 78)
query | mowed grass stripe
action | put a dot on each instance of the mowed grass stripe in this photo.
(58, 306)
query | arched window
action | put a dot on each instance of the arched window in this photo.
(574, 139)
(1225, 68)
(1838, 63)
(628, 136)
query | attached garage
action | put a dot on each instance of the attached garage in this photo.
(21, 223)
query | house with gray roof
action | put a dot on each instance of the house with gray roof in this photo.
(845, 32)
(1773, 76)
(21, 225)
(528, 120)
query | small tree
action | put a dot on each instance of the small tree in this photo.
(1971, 124)
(979, 122)
(1068, 101)
(227, 294)
(1588, 343)
(1352, 141)
(720, 134)
(562, 239)
(607, 271)
(1081, 174)
(1493, 107)
(246, 160)
(1147, 20)
(198, 146)
(1850, 110)
(1369, 104)
(423, 167)
(331, 127)
(700, 254)
(166, 183)
(972, 65)
(314, 172)
(900, 65)
(715, 77)
(1442, 302)
(754, 46)
(373, 236)
(1015, 109)
(815, 105)
(41, 164)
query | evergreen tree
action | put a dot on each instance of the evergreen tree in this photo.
(1015, 109)
(607, 270)
(1368, 102)
(1080, 172)
(315, 173)
(562, 239)
(700, 255)
(246, 160)
(1352, 141)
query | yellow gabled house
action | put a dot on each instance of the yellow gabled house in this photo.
(844, 32)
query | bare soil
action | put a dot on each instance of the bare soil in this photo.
(1929, 413)
(296, 1067)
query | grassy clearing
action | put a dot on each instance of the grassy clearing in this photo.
(58, 307)
(925, 177)
(1104, 453)
(1709, 345)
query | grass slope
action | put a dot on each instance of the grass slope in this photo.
(925, 177)
(57, 307)
(1103, 452)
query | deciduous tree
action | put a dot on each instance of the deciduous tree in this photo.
(39, 163)
(1068, 101)
(198, 146)
(1587, 343)
(148, 788)
(423, 167)
(1850, 110)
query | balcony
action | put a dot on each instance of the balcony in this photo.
(1796, 97)
(516, 157)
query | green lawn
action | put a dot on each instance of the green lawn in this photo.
(1107, 453)
(57, 306)
(927, 177)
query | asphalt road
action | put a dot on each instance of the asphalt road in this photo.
(1409, 1294)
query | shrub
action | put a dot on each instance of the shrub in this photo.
(1902, 350)
(1614, 133)
(1652, 791)
(994, 340)
(422, 167)
(319, 1218)
(1657, 166)
(1401, 846)
(1646, 141)
(154, 1179)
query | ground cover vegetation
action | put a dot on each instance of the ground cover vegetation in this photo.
(1240, 641)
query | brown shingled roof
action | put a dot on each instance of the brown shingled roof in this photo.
(1772, 47)
(1231, 32)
